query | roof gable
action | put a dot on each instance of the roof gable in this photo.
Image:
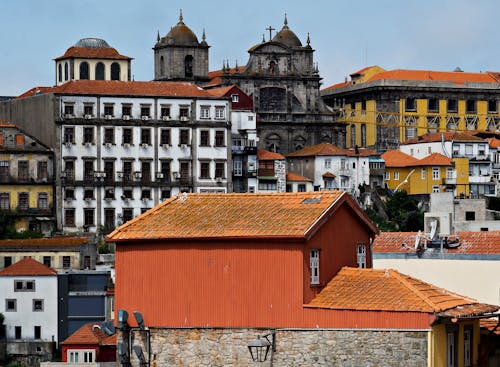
(396, 158)
(27, 266)
(90, 333)
(266, 155)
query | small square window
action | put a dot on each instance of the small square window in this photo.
(10, 305)
(37, 305)
(235, 98)
(66, 262)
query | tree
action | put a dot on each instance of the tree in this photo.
(404, 213)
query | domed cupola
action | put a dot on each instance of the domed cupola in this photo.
(287, 37)
(180, 35)
(92, 43)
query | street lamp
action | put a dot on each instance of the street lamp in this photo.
(259, 349)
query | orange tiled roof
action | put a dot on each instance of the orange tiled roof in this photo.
(319, 149)
(221, 91)
(493, 142)
(27, 266)
(6, 124)
(338, 85)
(396, 158)
(389, 290)
(290, 176)
(435, 159)
(446, 136)
(88, 334)
(45, 242)
(216, 75)
(122, 88)
(273, 215)
(437, 76)
(483, 242)
(266, 155)
(34, 91)
(491, 325)
(93, 53)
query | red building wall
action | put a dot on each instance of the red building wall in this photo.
(244, 101)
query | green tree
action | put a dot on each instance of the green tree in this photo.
(404, 213)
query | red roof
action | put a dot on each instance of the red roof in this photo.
(290, 176)
(396, 158)
(34, 91)
(90, 333)
(45, 242)
(389, 290)
(123, 88)
(483, 242)
(229, 216)
(493, 142)
(266, 155)
(338, 85)
(27, 266)
(435, 159)
(439, 76)
(92, 53)
(445, 136)
(326, 149)
(215, 76)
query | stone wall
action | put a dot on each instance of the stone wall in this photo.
(228, 347)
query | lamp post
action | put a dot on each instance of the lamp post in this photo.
(259, 348)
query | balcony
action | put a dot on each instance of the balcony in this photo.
(450, 180)
(266, 172)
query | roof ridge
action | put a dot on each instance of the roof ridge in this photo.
(398, 276)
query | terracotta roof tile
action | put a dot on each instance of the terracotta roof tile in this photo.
(491, 325)
(88, 334)
(445, 136)
(27, 266)
(396, 158)
(92, 53)
(34, 91)
(221, 91)
(319, 150)
(266, 155)
(45, 242)
(439, 76)
(283, 215)
(389, 290)
(338, 85)
(121, 88)
(483, 242)
(290, 176)
(435, 159)
(493, 142)
(6, 124)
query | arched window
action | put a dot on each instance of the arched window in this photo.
(115, 71)
(59, 72)
(84, 70)
(66, 77)
(188, 66)
(99, 71)
(162, 66)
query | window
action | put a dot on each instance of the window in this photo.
(59, 73)
(128, 214)
(88, 135)
(42, 171)
(146, 194)
(7, 261)
(266, 185)
(219, 138)
(237, 166)
(188, 66)
(220, 112)
(88, 217)
(126, 110)
(127, 194)
(361, 255)
(205, 112)
(432, 105)
(66, 71)
(396, 175)
(109, 135)
(424, 173)
(82, 356)
(37, 332)
(86, 258)
(37, 305)
(145, 111)
(470, 215)
(109, 110)
(17, 332)
(88, 170)
(69, 169)
(146, 171)
(84, 70)
(165, 136)
(470, 106)
(492, 106)
(165, 194)
(115, 71)
(165, 170)
(467, 348)
(4, 171)
(468, 149)
(146, 136)
(411, 104)
(69, 217)
(184, 137)
(436, 173)
(99, 71)
(43, 200)
(109, 170)
(127, 135)
(204, 170)
(47, 261)
(301, 188)
(69, 135)
(481, 149)
(435, 188)
(4, 201)
(235, 98)
(204, 138)
(387, 176)
(220, 171)
(88, 194)
(66, 262)
(184, 112)
(109, 218)
(314, 263)
(69, 109)
(109, 193)
(88, 109)
(23, 200)
(11, 305)
(24, 285)
(19, 139)
(450, 347)
(127, 171)
(165, 112)
(451, 105)
(23, 171)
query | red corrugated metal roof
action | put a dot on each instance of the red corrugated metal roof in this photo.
(27, 266)
(389, 290)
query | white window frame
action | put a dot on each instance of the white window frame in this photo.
(328, 163)
(396, 175)
(387, 175)
(424, 173)
(435, 188)
(81, 355)
(436, 173)
(204, 112)
(235, 98)
(220, 112)
(314, 263)
(361, 255)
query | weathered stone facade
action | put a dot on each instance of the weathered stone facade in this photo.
(228, 347)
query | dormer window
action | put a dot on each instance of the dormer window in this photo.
(314, 262)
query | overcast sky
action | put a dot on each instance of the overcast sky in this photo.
(347, 35)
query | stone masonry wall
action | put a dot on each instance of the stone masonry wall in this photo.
(228, 347)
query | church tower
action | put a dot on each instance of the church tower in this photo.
(179, 56)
